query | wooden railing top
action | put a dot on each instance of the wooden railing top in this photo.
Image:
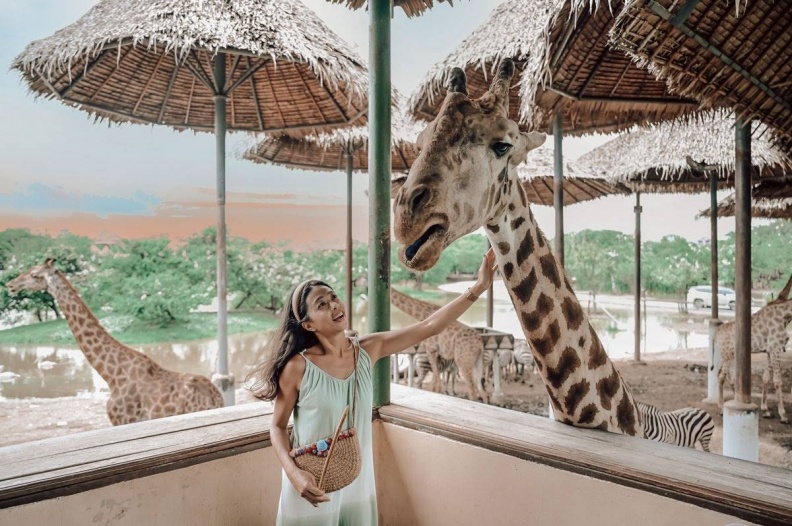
(753, 492)
(70, 464)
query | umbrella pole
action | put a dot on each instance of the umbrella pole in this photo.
(222, 379)
(741, 416)
(558, 185)
(350, 308)
(379, 183)
(638, 211)
(714, 358)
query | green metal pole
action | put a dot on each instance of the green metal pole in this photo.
(350, 306)
(222, 378)
(558, 185)
(379, 183)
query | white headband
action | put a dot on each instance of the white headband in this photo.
(296, 298)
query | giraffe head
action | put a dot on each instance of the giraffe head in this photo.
(465, 172)
(34, 279)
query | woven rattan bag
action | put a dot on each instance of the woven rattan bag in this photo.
(336, 460)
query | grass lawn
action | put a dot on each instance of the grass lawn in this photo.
(197, 326)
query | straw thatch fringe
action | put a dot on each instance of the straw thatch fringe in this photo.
(764, 208)
(327, 151)
(655, 158)
(275, 29)
(755, 37)
(411, 8)
(517, 29)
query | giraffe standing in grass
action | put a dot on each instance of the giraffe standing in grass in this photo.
(768, 334)
(139, 388)
(458, 343)
(464, 178)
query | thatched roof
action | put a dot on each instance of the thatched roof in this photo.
(560, 51)
(770, 199)
(411, 7)
(655, 159)
(151, 62)
(537, 176)
(754, 37)
(327, 151)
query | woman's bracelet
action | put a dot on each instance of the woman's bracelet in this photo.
(469, 295)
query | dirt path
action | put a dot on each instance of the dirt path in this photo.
(668, 380)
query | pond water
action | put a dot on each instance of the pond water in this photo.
(48, 372)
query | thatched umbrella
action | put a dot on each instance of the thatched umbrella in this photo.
(770, 199)
(690, 156)
(659, 156)
(341, 149)
(713, 51)
(164, 62)
(537, 177)
(564, 66)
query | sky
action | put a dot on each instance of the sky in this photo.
(61, 171)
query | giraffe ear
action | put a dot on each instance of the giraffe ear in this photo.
(502, 82)
(457, 82)
(528, 141)
(49, 262)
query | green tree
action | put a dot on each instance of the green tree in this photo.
(21, 250)
(600, 260)
(145, 279)
(674, 264)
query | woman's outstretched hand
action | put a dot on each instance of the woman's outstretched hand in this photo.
(485, 274)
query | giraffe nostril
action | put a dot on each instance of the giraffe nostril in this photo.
(419, 198)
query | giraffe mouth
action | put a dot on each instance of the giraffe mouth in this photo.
(412, 251)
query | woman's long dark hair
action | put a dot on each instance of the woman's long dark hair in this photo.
(288, 339)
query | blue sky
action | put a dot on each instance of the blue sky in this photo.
(56, 164)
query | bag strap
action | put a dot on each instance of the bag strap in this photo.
(355, 354)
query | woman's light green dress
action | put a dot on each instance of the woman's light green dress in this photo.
(321, 402)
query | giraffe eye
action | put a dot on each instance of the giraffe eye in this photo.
(501, 148)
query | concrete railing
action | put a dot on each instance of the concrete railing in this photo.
(439, 460)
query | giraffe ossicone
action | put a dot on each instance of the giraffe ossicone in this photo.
(465, 178)
(140, 389)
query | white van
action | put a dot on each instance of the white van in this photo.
(701, 295)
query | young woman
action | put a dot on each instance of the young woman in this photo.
(308, 370)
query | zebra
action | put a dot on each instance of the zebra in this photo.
(523, 357)
(422, 366)
(505, 360)
(683, 427)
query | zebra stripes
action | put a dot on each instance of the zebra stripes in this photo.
(422, 366)
(683, 427)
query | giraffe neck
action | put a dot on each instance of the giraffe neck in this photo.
(420, 310)
(94, 341)
(584, 386)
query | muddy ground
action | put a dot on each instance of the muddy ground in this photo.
(667, 380)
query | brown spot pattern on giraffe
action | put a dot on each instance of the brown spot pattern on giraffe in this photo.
(625, 415)
(508, 269)
(546, 343)
(575, 395)
(550, 269)
(588, 414)
(597, 355)
(607, 388)
(525, 249)
(567, 364)
(524, 289)
(504, 247)
(572, 313)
